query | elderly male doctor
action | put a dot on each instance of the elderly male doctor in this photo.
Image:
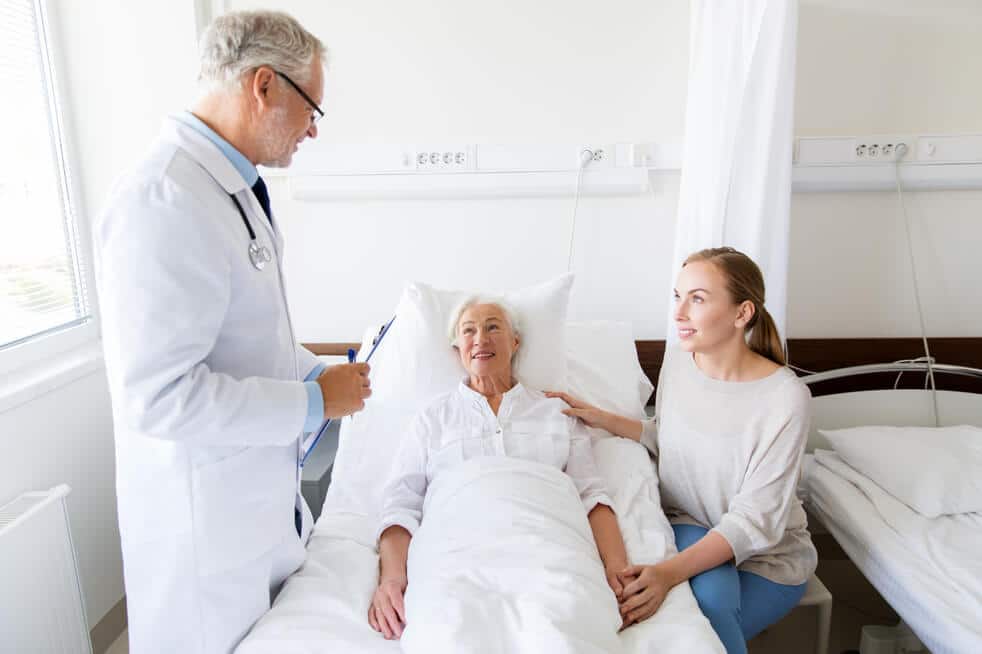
(211, 392)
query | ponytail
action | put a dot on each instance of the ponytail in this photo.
(745, 283)
(765, 339)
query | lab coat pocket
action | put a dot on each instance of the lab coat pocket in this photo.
(243, 508)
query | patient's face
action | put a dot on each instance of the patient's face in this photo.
(485, 341)
(705, 314)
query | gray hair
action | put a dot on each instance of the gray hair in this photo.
(239, 42)
(510, 314)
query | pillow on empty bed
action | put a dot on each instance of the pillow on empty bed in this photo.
(933, 470)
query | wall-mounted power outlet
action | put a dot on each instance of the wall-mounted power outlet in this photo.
(444, 158)
(601, 156)
(882, 148)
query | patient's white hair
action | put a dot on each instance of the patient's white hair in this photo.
(510, 314)
(239, 42)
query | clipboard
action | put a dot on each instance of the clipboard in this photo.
(316, 436)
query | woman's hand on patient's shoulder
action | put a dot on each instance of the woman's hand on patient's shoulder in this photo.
(387, 612)
(592, 416)
(589, 414)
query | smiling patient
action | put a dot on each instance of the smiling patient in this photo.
(490, 414)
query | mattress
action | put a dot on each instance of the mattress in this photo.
(928, 570)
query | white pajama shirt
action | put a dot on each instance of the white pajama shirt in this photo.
(460, 426)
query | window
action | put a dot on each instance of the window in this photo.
(42, 280)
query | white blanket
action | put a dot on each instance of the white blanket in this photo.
(323, 607)
(504, 561)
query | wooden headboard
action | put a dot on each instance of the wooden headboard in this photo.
(820, 354)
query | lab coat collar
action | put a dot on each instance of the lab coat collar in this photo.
(245, 167)
(206, 153)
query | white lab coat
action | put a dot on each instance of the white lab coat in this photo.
(208, 406)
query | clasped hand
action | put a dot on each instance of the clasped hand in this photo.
(640, 590)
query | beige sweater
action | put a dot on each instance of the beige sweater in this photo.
(729, 458)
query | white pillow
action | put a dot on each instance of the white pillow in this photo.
(415, 363)
(604, 369)
(933, 470)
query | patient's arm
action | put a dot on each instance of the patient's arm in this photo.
(387, 612)
(582, 469)
(393, 552)
(610, 543)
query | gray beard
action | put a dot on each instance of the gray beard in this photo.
(273, 139)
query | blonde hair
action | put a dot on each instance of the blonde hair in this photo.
(745, 283)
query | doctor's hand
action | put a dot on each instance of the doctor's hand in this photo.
(345, 388)
(387, 612)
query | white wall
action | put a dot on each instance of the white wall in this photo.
(65, 436)
(124, 67)
(561, 72)
(517, 72)
(879, 66)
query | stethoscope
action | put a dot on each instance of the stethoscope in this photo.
(259, 255)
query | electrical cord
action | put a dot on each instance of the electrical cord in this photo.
(586, 156)
(899, 152)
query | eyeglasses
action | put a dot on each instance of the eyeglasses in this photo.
(317, 113)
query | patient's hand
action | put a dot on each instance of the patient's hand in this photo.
(387, 612)
(614, 579)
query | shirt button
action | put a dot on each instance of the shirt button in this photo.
(498, 431)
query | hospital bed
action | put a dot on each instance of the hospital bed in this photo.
(323, 606)
(929, 569)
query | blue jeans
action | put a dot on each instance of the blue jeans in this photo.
(738, 604)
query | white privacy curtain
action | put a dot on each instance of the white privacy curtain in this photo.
(736, 161)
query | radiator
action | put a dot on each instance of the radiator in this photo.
(41, 608)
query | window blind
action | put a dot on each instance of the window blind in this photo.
(42, 283)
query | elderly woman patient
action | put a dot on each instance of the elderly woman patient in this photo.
(489, 414)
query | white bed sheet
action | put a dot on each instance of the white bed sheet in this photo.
(928, 570)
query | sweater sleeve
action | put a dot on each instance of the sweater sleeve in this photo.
(757, 515)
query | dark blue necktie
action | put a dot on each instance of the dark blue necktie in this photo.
(259, 190)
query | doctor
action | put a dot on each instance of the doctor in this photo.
(211, 392)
